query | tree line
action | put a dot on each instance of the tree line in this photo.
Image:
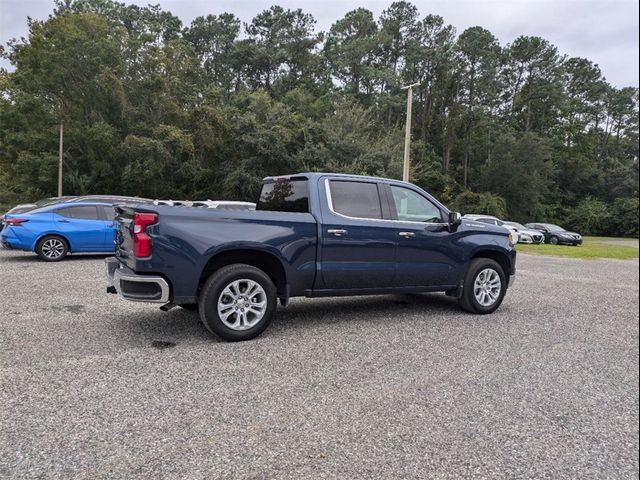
(154, 108)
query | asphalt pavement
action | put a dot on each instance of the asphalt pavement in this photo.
(377, 387)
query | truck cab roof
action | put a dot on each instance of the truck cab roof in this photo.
(346, 176)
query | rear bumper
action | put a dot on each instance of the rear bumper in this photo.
(134, 287)
(11, 241)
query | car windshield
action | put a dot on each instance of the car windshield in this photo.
(50, 201)
(553, 228)
(23, 209)
(515, 224)
(46, 208)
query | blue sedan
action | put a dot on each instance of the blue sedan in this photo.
(56, 230)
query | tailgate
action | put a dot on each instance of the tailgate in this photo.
(124, 235)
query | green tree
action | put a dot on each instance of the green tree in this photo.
(477, 55)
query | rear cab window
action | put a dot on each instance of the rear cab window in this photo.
(285, 194)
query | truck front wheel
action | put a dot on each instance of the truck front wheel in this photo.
(484, 287)
(237, 302)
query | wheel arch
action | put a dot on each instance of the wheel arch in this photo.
(52, 234)
(264, 260)
(501, 257)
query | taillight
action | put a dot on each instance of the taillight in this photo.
(15, 221)
(142, 241)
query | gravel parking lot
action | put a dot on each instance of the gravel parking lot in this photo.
(372, 387)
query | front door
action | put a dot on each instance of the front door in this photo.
(423, 257)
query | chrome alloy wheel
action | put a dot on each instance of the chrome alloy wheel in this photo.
(53, 248)
(487, 287)
(242, 304)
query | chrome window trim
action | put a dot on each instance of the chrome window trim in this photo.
(327, 188)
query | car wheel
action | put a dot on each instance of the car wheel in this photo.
(553, 240)
(52, 248)
(484, 286)
(237, 302)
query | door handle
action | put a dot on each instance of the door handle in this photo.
(338, 232)
(407, 234)
(63, 221)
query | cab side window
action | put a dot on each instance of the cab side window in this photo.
(356, 199)
(410, 206)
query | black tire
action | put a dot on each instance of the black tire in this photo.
(468, 301)
(554, 240)
(52, 248)
(212, 292)
(192, 307)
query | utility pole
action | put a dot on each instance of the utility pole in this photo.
(60, 148)
(407, 133)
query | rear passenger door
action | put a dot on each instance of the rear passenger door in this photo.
(358, 244)
(82, 226)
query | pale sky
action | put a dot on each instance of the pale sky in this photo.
(604, 31)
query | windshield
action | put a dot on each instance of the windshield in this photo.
(554, 228)
(50, 201)
(515, 224)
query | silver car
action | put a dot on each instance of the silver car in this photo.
(527, 235)
(491, 220)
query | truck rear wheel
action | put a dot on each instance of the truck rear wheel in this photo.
(237, 302)
(484, 287)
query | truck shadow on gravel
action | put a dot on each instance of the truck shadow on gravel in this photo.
(385, 308)
(177, 326)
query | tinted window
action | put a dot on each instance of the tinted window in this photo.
(108, 213)
(65, 212)
(20, 209)
(356, 199)
(285, 195)
(88, 212)
(413, 207)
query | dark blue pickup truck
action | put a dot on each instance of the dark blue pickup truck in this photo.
(314, 235)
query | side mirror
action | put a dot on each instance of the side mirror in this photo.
(455, 220)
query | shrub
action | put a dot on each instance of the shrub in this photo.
(624, 217)
(590, 217)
